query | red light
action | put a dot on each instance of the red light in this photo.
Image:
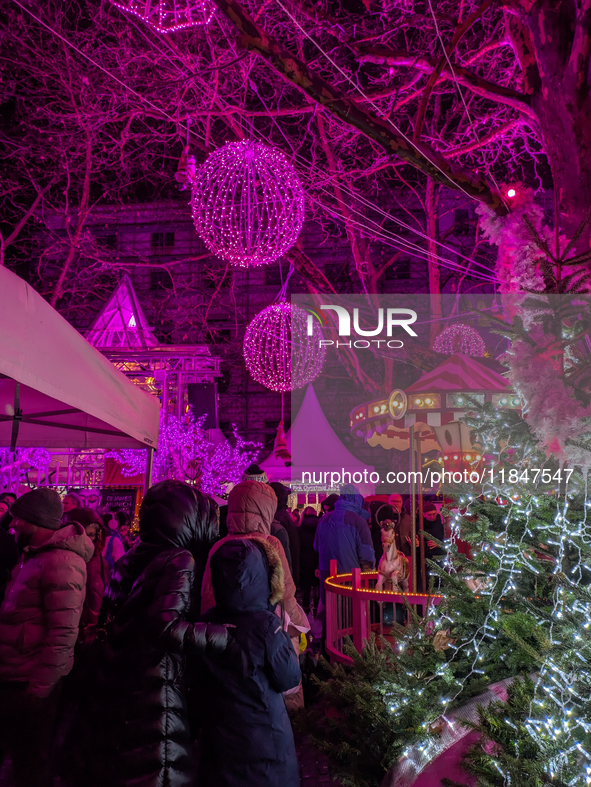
(511, 193)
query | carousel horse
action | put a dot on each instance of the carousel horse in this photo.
(394, 568)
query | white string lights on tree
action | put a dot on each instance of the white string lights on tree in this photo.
(278, 352)
(248, 203)
(460, 338)
(167, 16)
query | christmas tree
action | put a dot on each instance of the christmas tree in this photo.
(519, 606)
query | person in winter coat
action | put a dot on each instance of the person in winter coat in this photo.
(151, 642)
(6, 501)
(343, 535)
(251, 509)
(97, 569)
(4, 507)
(255, 473)
(281, 534)
(71, 500)
(39, 619)
(284, 518)
(375, 528)
(9, 555)
(308, 556)
(433, 524)
(246, 738)
(403, 525)
(74, 733)
(328, 503)
(114, 548)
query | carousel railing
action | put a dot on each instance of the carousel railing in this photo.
(355, 609)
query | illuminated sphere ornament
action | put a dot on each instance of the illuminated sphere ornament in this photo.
(460, 338)
(248, 203)
(278, 352)
(166, 16)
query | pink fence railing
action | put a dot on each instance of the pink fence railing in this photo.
(354, 608)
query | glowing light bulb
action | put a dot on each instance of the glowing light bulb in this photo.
(511, 193)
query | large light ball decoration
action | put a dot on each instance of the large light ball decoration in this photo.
(166, 16)
(248, 203)
(277, 350)
(460, 338)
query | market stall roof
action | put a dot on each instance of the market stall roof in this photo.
(459, 373)
(315, 448)
(121, 322)
(70, 395)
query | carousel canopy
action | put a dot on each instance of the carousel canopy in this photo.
(459, 373)
(70, 395)
(315, 448)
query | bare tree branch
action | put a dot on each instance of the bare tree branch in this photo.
(479, 85)
(292, 68)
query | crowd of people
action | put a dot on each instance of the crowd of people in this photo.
(169, 657)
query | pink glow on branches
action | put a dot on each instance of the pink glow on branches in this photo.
(278, 352)
(460, 338)
(167, 16)
(248, 203)
(186, 452)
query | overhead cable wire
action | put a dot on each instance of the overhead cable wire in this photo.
(385, 236)
(374, 106)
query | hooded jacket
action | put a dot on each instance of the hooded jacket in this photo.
(9, 557)
(96, 583)
(246, 733)
(152, 642)
(40, 614)
(308, 555)
(343, 535)
(251, 509)
(283, 517)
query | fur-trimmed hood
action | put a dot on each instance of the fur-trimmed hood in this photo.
(247, 575)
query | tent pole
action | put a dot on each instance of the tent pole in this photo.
(420, 513)
(413, 509)
(149, 468)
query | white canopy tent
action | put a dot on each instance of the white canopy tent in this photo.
(316, 449)
(56, 390)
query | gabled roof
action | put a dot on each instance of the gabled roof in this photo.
(459, 373)
(121, 323)
(314, 447)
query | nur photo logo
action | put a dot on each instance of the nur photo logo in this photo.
(387, 320)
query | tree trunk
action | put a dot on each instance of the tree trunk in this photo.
(552, 41)
(432, 260)
(565, 129)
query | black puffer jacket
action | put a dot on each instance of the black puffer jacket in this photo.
(308, 555)
(151, 642)
(247, 739)
(283, 516)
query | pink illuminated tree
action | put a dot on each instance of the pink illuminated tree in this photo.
(187, 452)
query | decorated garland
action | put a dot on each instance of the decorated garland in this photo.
(542, 359)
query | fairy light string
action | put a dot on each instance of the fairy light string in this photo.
(277, 350)
(248, 203)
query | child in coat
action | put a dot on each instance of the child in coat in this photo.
(246, 737)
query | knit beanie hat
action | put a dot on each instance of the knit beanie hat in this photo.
(255, 473)
(429, 507)
(42, 507)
